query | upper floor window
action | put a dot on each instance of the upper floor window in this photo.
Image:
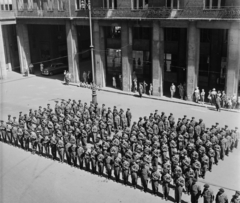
(139, 4)
(213, 4)
(81, 4)
(30, 5)
(6, 5)
(110, 4)
(50, 5)
(20, 5)
(60, 5)
(173, 4)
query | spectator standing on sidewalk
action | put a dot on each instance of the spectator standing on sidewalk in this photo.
(145, 87)
(31, 71)
(218, 103)
(210, 97)
(135, 87)
(197, 94)
(114, 82)
(224, 99)
(229, 103)
(214, 96)
(235, 198)
(151, 89)
(202, 96)
(41, 67)
(234, 101)
(84, 77)
(181, 90)
(172, 90)
(140, 90)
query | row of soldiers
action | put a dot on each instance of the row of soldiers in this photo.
(155, 148)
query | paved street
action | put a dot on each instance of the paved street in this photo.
(32, 179)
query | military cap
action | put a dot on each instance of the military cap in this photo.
(140, 118)
(179, 119)
(9, 115)
(237, 192)
(184, 116)
(109, 108)
(20, 112)
(193, 117)
(217, 123)
(114, 107)
(206, 186)
(128, 109)
(236, 128)
(188, 119)
(226, 126)
(200, 120)
(171, 114)
(56, 101)
(48, 104)
(221, 189)
(163, 112)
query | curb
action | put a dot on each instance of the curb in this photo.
(17, 79)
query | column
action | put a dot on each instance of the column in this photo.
(157, 59)
(219, 4)
(126, 65)
(3, 68)
(210, 4)
(137, 4)
(99, 47)
(6, 36)
(72, 47)
(23, 46)
(130, 53)
(193, 58)
(233, 61)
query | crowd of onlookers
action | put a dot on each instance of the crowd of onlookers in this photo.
(213, 97)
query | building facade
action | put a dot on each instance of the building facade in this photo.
(192, 42)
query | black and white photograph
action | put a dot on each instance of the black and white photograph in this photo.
(119, 101)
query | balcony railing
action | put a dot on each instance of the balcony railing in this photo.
(163, 12)
(128, 13)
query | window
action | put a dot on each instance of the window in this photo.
(139, 4)
(50, 5)
(110, 4)
(60, 5)
(40, 5)
(213, 4)
(173, 4)
(81, 4)
(20, 5)
(6, 5)
(30, 5)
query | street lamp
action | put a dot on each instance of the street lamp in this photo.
(94, 94)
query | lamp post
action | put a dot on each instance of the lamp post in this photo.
(94, 94)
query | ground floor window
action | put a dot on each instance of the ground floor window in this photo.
(110, 4)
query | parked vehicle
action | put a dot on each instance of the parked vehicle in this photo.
(55, 68)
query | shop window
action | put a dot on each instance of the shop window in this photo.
(30, 5)
(141, 33)
(110, 4)
(50, 5)
(81, 4)
(173, 4)
(139, 4)
(213, 4)
(60, 5)
(205, 35)
(6, 5)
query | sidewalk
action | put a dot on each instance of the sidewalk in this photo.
(13, 76)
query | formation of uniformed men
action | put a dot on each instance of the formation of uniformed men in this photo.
(156, 149)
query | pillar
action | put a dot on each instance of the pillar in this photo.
(130, 53)
(99, 47)
(6, 37)
(72, 47)
(23, 46)
(126, 58)
(193, 58)
(233, 61)
(3, 68)
(157, 59)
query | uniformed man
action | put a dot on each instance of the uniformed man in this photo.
(235, 198)
(180, 182)
(155, 178)
(117, 167)
(108, 165)
(221, 197)
(129, 117)
(207, 194)
(134, 173)
(125, 171)
(166, 180)
(195, 191)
